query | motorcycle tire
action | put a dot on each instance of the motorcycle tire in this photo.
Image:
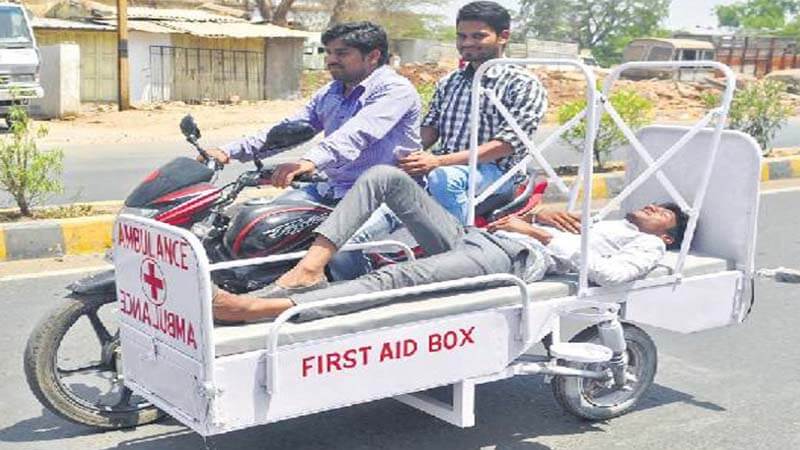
(42, 372)
(591, 399)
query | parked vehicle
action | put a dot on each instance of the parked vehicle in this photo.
(19, 59)
(659, 49)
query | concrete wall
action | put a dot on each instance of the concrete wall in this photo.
(283, 67)
(141, 76)
(61, 80)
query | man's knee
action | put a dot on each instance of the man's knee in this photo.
(383, 173)
(446, 182)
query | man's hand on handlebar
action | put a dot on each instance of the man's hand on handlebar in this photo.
(217, 154)
(562, 220)
(284, 174)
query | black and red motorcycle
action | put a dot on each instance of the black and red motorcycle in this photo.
(182, 193)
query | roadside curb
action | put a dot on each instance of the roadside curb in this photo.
(608, 185)
(87, 235)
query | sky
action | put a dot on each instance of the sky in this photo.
(683, 14)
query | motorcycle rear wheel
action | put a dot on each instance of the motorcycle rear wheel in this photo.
(49, 382)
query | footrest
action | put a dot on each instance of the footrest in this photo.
(582, 352)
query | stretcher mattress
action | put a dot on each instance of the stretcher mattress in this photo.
(230, 340)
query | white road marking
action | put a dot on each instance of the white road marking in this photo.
(781, 190)
(55, 273)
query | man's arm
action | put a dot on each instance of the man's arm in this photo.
(244, 149)
(420, 163)
(634, 260)
(381, 112)
(525, 99)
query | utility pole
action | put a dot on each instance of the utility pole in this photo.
(123, 94)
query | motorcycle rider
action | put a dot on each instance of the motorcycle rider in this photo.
(369, 114)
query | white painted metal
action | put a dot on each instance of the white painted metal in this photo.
(409, 253)
(272, 340)
(477, 91)
(276, 383)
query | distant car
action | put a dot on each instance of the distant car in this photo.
(19, 59)
(659, 49)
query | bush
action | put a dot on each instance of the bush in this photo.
(634, 109)
(425, 91)
(27, 173)
(756, 110)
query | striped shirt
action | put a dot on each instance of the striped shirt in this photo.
(517, 89)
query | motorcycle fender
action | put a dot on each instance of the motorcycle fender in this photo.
(98, 283)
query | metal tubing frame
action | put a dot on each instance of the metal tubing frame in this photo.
(588, 145)
(297, 255)
(272, 337)
(477, 91)
(721, 113)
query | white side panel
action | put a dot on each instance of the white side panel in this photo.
(384, 363)
(164, 376)
(695, 304)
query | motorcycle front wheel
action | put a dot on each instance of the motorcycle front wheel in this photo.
(71, 362)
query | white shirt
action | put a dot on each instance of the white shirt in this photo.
(618, 252)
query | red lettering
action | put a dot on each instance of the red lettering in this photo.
(333, 361)
(183, 265)
(307, 365)
(409, 347)
(386, 352)
(434, 343)
(466, 335)
(349, 358)
(450, 340)
(190, 337)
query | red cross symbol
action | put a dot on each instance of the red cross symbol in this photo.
(155, 284)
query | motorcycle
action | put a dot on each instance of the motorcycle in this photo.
(182, 193)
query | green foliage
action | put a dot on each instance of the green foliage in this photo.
(27, 173)
(634, 109)
(603, 26)
(756, 110)
(425, 91)
(757, 14)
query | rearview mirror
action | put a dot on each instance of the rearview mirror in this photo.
(288, 134)
(189, 127)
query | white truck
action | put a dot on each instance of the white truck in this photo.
(19, 59)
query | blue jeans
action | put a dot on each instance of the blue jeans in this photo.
(449, 184)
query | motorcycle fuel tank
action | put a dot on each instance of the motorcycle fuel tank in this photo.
(272, 228)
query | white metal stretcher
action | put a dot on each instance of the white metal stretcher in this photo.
(219, 379)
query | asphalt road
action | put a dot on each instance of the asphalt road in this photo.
(110, 171)
(731, 388)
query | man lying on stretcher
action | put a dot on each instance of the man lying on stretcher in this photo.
(620, 250)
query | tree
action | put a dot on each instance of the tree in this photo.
(396, 16)
(275, 14)
(757, 14)
(604, 26)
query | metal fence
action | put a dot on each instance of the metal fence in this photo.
(200, 74)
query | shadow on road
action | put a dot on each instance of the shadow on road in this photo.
(511, 415)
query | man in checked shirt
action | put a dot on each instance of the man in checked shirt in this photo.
(483, 30)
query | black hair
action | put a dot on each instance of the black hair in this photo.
(364, 36)
(676, 232)
(491, 13)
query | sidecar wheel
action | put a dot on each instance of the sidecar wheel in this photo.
(597, 400)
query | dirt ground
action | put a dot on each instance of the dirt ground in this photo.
(101, 123)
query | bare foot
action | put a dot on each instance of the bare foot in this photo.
(230, 307)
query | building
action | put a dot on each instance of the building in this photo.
(176, 54)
